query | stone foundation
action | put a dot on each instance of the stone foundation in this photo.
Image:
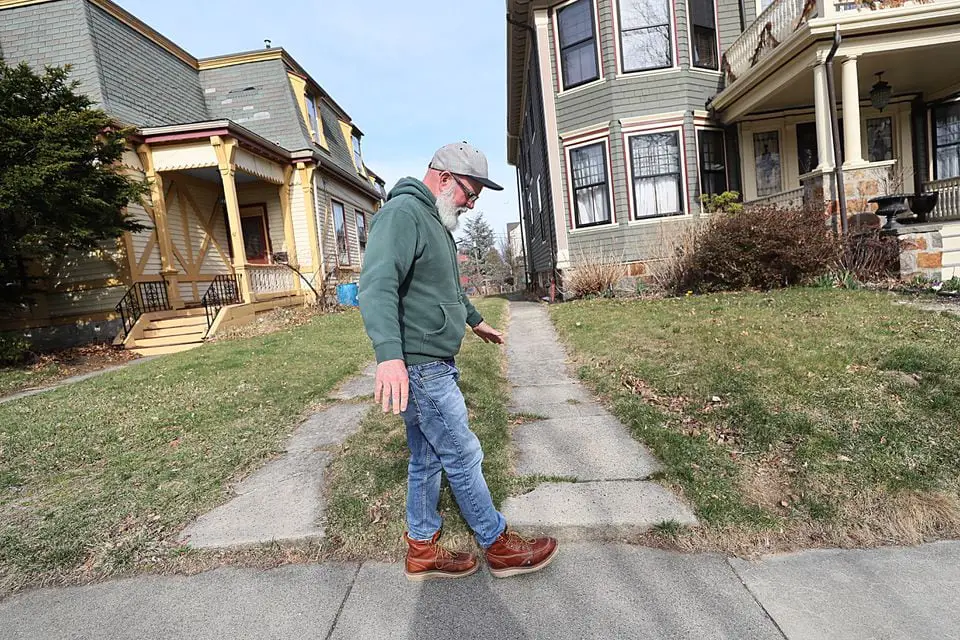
(921, 251)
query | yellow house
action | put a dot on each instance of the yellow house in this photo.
(259, 194)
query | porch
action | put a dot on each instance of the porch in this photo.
(222, 238)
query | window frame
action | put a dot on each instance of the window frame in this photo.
(726, 161)
(716, 38)
(343, 253)
(780, 156)
(892, 119)
(934, 147)
(572, 191)
(558, 48)
(618, 42)
(682, 187)
(357, 156)
(361, 221)
(313, 115)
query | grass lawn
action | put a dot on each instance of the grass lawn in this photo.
(56, 365)
(366, 512)
(804, 417)
(99, 476)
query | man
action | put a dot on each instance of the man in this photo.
(415, 312)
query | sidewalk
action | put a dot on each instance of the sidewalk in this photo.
(594, 589)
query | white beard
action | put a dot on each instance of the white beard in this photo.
(449, 212)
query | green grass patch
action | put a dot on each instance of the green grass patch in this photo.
(366, 511)
(100, 476)
(13, 379)
(797, 411)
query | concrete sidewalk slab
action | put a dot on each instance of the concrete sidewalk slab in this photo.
(359, 386)
(281, 501)
(328, 427)
(289, 603)
(595, 510)
(590, 448)
(589, 591)
(893, 594)
(562, 393)
(549, 410)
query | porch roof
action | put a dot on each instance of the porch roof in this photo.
(916, 46)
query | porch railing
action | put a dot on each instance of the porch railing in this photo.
(772, 26)
(141, 298)
(948, 203)
(273, 278)
(789, 199)
(224, 290)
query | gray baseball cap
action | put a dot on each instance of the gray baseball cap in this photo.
(464, 160)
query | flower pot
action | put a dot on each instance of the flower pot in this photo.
(922, 204)
(890, 207)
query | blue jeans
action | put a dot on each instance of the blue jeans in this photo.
(440, 439)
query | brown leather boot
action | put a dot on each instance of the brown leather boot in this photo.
(429, 560)
(512, 554)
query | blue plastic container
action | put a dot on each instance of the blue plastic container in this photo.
(347, 294)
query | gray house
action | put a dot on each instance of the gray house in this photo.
(621, 113)
(253, 168)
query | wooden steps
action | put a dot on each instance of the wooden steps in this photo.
(171, 335)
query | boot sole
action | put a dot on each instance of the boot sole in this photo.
(516, 571)
(423, 576)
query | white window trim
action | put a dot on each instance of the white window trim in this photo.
(628, 161)
(618, 53)
(726, 160)
(558, 63)
(603, 138)
(716, 30)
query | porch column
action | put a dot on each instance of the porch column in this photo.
(851, 113)
(164, 243)
(226, 150)
(821, 103)
(288, 233)
(306, 172)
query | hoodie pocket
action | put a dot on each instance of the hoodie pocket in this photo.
(445, 341)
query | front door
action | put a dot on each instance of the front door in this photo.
(256, 235)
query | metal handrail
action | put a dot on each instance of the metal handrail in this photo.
(141, 298)
(224, 290)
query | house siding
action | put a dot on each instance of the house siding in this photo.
(674, 93)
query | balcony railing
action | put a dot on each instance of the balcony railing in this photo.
(948, 203)
(787, 199)
(271, 278)
(777, 22)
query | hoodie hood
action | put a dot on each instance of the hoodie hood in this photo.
(415, 188)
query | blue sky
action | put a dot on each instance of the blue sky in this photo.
(412, 75)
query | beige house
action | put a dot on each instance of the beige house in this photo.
(259, 194)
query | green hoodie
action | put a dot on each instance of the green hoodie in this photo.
(411, 301)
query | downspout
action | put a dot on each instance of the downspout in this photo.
(743, 15)
(835, 132)
(523, 239)
(554, 230)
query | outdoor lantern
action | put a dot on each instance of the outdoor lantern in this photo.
(880, 93)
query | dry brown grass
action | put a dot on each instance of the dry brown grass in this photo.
(595, 274)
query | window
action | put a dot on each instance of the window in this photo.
(340, 224)
(946, 141)
(808, 153)
(312, 113)
(713, 165)
(645, 41)
(362, 229)
(578, 47)
(357, 159)
(766, 153)
(591, 203)
(703, 27)
(543, 216)
(657, 179)
(879, 139)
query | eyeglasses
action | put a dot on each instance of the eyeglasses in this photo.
(467, 191)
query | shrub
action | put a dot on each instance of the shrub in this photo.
(14, 349)
(595, 274)
(870, 256)
(760, 247)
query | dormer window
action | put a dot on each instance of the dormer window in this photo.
(357, 158)
(312, 114)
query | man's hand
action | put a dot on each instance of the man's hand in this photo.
(392, 384)
(488, 333)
